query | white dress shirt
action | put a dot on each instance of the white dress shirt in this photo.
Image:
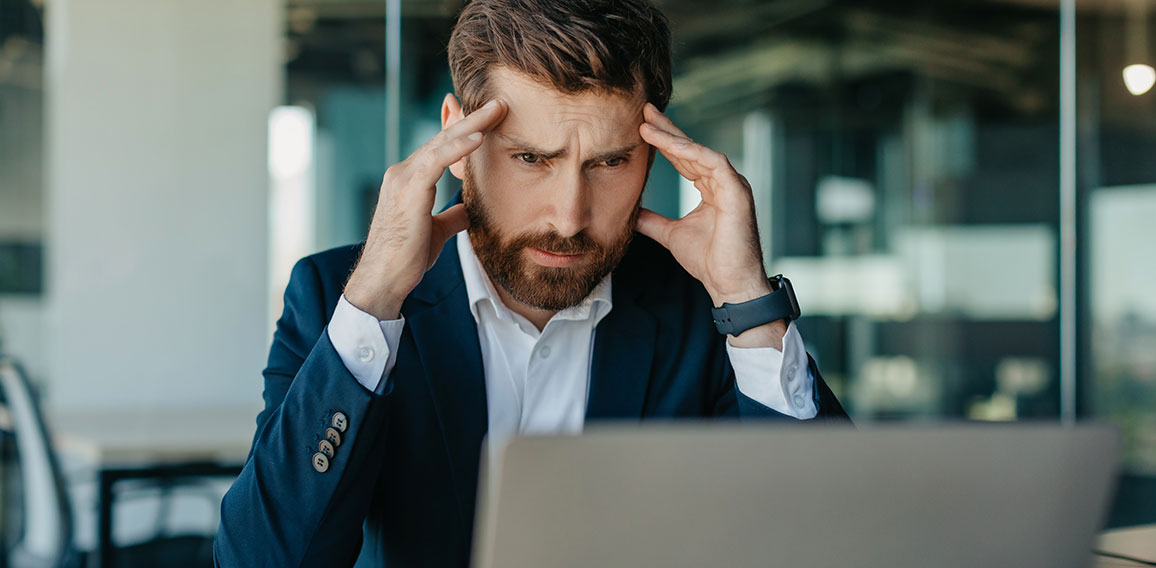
(537, 381)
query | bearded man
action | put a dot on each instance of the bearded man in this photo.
(546, 300)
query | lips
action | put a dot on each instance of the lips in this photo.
(554, 260)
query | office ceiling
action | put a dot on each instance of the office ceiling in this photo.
(743, 49)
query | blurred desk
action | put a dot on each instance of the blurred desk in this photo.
(1137, 542)
(169, 445)
(165, 447)
(155, 436)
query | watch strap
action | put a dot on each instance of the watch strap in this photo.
(733, 319)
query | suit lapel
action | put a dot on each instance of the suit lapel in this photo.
(623, 352)
(445, 336)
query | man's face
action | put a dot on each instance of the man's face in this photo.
(553, 193)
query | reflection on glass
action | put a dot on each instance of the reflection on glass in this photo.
(904, 158)
(1117, 199)
(905, 165)
(1124, 316)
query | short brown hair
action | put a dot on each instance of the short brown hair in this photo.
(613, 46)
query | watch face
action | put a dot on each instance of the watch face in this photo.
(785, 283)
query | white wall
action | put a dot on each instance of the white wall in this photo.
(156, 201)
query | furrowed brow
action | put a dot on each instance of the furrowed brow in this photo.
(616, 153)
(530, 148)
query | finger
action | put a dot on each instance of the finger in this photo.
(655, 226)
(445, 225)
(655, 117)
(449, 223)
(694, 161)
(456, 142)
(482, 119)
(430, 164)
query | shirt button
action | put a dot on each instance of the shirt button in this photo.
(544, 351)
(799, 401)
(365, 353)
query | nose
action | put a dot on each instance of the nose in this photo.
(570, 205)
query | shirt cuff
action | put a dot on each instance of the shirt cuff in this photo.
(367, 347)
(780, 380)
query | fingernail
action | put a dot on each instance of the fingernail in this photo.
(490, 104)
(474, 137)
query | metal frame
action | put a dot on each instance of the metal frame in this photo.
(1067, 284)
(108, 477)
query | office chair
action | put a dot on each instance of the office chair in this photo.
(45, 538)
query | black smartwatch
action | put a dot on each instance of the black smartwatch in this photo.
(733, 319)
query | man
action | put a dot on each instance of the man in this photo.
(531, 306)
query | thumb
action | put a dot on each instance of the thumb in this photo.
(445, 225)
(655, 226)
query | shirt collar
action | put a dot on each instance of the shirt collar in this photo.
(480, 290)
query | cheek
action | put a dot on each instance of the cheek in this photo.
(502, 174)
(490, 177)
(622, 186)
(503, 190)
(617, 194)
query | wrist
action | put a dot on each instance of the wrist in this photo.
(760, 320)
(380, 302)
(766, 335)
(755, 288)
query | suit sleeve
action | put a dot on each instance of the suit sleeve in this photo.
(367, 346)
(283, 510)
(732, 402)
(737, 403)
(779, 380)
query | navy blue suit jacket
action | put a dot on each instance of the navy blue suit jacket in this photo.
(401, 488)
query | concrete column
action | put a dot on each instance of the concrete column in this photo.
(157, 201)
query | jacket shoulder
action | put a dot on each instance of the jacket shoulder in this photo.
(649, 268)
(330, 269)
(337, 262)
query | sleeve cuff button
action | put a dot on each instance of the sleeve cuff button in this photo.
(333, 436)
(320, 462)
(365, 353)
(340, 422)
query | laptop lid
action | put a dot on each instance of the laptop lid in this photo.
(710, 494)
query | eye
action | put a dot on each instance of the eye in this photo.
(527, 157)
(615, 161)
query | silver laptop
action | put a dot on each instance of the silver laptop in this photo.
(748, 495)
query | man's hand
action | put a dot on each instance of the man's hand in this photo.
(718, 242)
(405, 238)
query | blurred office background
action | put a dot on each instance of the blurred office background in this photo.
(963, 192)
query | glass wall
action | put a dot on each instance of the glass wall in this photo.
(1116, 189)
(22, 181)
(905, 159)
(906, 164)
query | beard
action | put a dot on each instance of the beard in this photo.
(504, 257)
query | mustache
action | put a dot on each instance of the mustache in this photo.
(552, 242)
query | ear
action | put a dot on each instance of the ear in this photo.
(451, 114)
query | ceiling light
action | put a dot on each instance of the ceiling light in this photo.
(1139, 78)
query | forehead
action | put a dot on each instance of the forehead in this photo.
(540, 114)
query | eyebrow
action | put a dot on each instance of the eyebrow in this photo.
(551, 154)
